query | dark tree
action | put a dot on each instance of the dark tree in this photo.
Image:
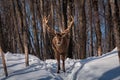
(115, 14)
(97, 28)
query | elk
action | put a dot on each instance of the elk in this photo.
(60, 43)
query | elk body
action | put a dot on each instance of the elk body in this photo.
(60, 47)
(60, 44)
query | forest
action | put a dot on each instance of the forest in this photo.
(95, 31)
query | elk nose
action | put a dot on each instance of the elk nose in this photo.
(58, 42)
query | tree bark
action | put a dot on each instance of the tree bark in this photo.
(33, 7)
(81, 27)
(115, 14)
(97, 27)
(69, 14)
(89, 2)
(3, 62)
(110, 36)
(25, 39)
(1, 52)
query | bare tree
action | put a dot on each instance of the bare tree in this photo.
(109, 27)
(3, 62)
(115, 14)
(1, 52)
(24, 27)
(97, 27)
(89, 2)
(81, 29)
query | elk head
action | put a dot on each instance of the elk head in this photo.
(59, 36)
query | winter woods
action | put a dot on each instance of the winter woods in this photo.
(96, 26)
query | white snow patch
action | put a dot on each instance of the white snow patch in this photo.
(105, 67)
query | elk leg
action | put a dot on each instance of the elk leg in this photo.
(63, 64)
(58, 61)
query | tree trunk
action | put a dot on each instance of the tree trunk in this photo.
(97, 27)
(25, 38)
(69, 13)
(33, 8)
(1, 52)
(89, 2)
(3, 62)
(44, 30)
(110, 37)
(18, 28)
(115, 14)
(65, 12)
(81, 43)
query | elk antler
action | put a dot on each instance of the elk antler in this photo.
(69, 26)
(45, 21)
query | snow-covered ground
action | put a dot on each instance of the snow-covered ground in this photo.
(105, 67)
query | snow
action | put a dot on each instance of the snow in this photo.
(105, 67)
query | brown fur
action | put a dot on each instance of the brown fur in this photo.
(60, 49)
